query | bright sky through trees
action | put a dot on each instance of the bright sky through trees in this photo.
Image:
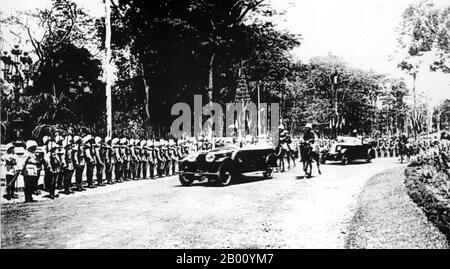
(360, 31)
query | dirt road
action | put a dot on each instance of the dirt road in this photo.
(284, 212)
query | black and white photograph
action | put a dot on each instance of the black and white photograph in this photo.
(263, 125)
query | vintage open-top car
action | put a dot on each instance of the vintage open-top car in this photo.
(227, 163)
(348, 149)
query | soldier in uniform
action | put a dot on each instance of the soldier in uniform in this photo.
(69, 169)
(109, 160)
(11, 174)
(126, 160)
(150, 158)
(90, 160)
(99, 161)
(30, 170)
(137, 162)
(144, 159)
(118, 167)
(131, 160)
(379, 148)
(166, 158)
(159, 159)
(173, 156)
(60, 177)
(79, 162)
(391, 148)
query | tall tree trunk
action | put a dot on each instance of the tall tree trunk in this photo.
(108, 68)
(146, 96)
(211, 77)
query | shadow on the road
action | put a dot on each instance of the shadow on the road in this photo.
(242, 180)
(338, 163)
(304, 177)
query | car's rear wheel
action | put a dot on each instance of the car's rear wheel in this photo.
(370, 155)
(186, 180)
(268, 174)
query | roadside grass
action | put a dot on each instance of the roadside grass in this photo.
(386, 218)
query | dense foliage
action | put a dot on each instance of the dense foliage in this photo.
(165, 51)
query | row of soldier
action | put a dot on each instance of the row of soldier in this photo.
(392, 147)
(109, 160)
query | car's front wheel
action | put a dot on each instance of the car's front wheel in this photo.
(186, 180)
(345, 160)
(226, 175)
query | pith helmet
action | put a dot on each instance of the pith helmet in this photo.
(114, 141)
(30, 143)
(59, 139)
(53, 146)
(143, 143)
(97, 140)
(76, 139)
(45, 139)
(87, 139)
(9, 147)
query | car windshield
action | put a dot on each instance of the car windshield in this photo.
(227, 147)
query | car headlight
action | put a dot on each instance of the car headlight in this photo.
(209, 157)
(338, 148)
(192, 158)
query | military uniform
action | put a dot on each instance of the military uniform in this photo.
(99, 160)
(109, 159)
(79, 161)
(159, 159)
(11, 174)
(61, 172)
(69, 169)
(137, 160)
(151, 158)
(126, 160)
(118, 168)
(30, 170)
(144, 159)
(90, 160)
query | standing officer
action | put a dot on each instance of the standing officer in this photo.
(99, 161)
(69, 169)
(89, 154)
(79, 162)
(30, 168)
